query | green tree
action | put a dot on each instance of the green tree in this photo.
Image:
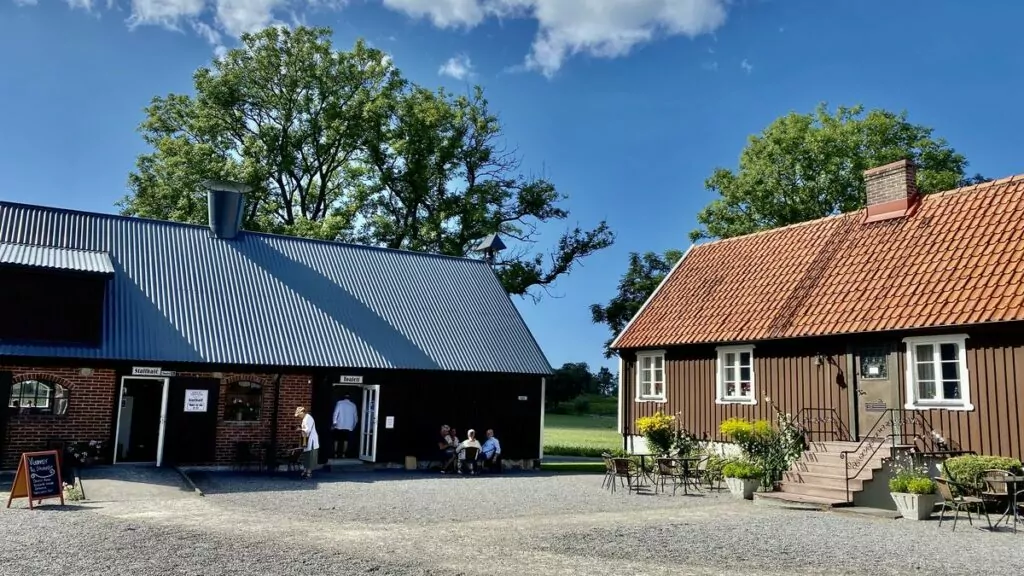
(642, 276)
(339, 146)
(808, 166)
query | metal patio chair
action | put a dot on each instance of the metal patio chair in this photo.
(959, 502)
(626, 469)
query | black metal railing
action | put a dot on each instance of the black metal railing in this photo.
(821, 424)
(900, 429)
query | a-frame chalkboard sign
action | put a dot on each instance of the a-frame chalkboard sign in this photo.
(38, 477)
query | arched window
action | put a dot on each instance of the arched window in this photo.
(38, 397)
(242, 401)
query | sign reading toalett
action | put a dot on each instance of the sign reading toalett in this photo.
(351, 380)
(195, 400)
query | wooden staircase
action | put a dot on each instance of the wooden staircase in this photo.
(818, 478)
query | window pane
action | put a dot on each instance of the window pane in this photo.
(647, 360)
(745, 373)
(951, 390)
(745, 358)
(746, 390)
(645, 376)
(659, 362)
(659, 375)
(730, 374)
(949, 352)
(950, 370)
(924, 353)
(926, 389)
(926, 371)
(730, 389)
(659, 388)
(15, 400)
(730, 359)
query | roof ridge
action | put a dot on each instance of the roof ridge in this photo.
(27, 245)
(938, 195)
(246, 232)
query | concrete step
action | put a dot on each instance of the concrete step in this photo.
(798, 500)
(814, 490)
(824, 480)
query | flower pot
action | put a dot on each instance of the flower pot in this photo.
(741, 488)
(915, 506)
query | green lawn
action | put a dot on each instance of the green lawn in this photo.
(567, 435)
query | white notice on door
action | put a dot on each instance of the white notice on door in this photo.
(389, 422)
(873, 370)
(195, 400)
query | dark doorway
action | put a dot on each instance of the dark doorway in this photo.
(139, 419)
(5, 400)
(191, 435)
(354, 392)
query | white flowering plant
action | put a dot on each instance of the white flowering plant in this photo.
(86, 452)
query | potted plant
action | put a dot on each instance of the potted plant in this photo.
(914, 494)
(742, 478)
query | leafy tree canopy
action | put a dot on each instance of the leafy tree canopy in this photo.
(339, 146)
(576, 378)
(808, 166)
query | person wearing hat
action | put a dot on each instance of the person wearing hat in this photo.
(310, 441)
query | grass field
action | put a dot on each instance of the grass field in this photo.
(571, 435)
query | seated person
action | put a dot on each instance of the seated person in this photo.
(454, 437)
(469, 442)
(491, 450)
(445, 446)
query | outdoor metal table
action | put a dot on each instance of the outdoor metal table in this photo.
(1013, 484)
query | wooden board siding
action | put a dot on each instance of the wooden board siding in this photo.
(785, 372)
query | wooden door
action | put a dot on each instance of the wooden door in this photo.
(876, 388)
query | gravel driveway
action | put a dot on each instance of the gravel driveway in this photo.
(516, 524)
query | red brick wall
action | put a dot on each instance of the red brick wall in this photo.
(89, 414)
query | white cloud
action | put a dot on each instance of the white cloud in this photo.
(565, 28)
(747, 66)
(458, 67)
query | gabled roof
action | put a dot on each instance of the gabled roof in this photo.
(55, 258)
(959, 260)
(179, 295)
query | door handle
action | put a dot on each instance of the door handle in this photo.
(862, 393)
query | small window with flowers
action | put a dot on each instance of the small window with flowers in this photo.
(650, 376)
(38, 396)
(243, 401)
(735, 377)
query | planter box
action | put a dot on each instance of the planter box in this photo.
(742, 488)
(915, 506)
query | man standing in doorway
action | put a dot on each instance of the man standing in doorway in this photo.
(310, 441)
(346, 416)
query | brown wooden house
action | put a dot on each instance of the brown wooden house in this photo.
(907, 315)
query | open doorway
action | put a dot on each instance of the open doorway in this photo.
(140, 420)
(344, 444)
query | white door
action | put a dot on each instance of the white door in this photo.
(368, 432)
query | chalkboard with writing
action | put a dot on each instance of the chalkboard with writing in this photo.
(38, 477)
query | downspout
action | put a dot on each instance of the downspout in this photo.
(272, 456)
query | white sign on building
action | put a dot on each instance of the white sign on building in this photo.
(196, 400)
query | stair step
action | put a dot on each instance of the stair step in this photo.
(785, 498)
(834, 469)
(814, 490)
(824, 480)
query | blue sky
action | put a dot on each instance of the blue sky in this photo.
(627, 105)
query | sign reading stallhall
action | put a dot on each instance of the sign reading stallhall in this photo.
(151, 371)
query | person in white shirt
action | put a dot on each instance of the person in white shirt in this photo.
(310, 441)
(346, 416)
(469, 442)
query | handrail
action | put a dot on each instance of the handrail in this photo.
(833, 422)
(873, 442)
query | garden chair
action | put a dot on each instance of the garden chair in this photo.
(626, 469)
(609, 471)
(468, 462)
(712, 477)
(957, 503)
(670, 470)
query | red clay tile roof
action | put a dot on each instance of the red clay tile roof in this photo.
(958, 260)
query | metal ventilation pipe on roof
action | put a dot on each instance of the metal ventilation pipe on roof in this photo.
(226, 206)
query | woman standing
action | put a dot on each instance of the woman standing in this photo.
(310, 441)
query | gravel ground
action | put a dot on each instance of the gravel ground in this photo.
(517, 524)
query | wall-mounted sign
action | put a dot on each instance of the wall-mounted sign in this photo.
(389, 422)
(150, 371)
(522, 398)
(350, 380)
(196, 400)
(876, 406)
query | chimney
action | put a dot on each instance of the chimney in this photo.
(891, 191)
(226, 205)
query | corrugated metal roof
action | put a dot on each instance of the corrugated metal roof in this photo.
(55, 258)
(179, 294)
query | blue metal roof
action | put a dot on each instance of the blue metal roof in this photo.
(55, 258)
(180, 295)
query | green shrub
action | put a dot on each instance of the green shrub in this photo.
(581, 405)
(911, 482)
(742, 470)
(921, 486)
(967, 470)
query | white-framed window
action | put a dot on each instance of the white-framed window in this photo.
(735, 375)
(936, 373)
(650, 375)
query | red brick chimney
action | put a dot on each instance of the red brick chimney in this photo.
(891, 190)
